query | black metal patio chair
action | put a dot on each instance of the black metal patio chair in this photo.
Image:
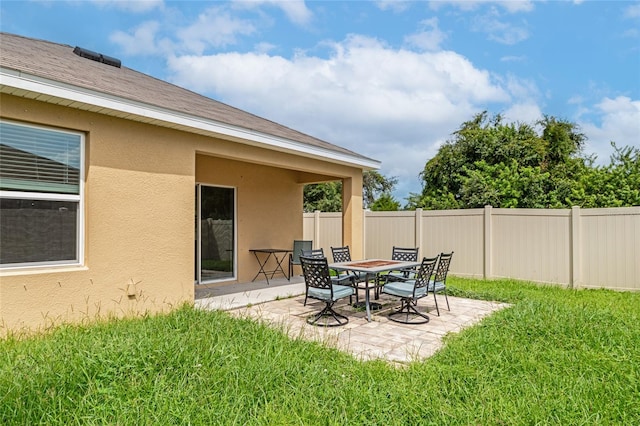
(409, 291)
(438, 283)
(403, 254)
(336, 276)
(343, 254)
(320, 285)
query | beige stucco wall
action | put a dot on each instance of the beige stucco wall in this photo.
(139, 215)
(138, 208)
(268, 201)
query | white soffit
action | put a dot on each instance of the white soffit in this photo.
(60, 93)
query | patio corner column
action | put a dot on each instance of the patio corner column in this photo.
(353, 215)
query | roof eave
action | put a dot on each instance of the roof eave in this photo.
(77, 97)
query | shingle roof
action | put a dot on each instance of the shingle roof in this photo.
(57, 62)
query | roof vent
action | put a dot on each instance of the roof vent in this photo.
(98, 57)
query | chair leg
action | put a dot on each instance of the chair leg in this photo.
(407, 310)
(446, 298)
(436, 300)
(328, 312)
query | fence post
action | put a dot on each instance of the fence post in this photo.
(488, 236)
(364, 233)
(316, 228)
(574, 255)
(418, 234)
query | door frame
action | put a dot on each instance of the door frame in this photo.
(198, 233)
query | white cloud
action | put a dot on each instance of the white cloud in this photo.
(393, 5)
(136, 6)
(620, 123)
(511, 6)
(489, 18)
(392, 105)
(525, 112)
(632, 11)
(141, 41)
(215, 27)
(264, 47)
(501, 31)
(520, 58)
(429, 37)
(295, 10)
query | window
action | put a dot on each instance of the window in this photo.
(40, 196)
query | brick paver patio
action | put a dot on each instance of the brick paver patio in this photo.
(378, 339)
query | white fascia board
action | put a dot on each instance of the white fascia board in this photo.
(31, 83)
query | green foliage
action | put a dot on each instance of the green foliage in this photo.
(502, 185)
(556, 356)
(385, 203)
(614, 185)
(376, 190)
(326, 197)
(489, 162)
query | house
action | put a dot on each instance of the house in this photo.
(119, 191)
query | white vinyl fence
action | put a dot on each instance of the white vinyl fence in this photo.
(579, 248)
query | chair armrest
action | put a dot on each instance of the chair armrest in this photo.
(342, 278)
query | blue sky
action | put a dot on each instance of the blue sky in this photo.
(391, 80)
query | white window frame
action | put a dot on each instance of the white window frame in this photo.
(79, 198)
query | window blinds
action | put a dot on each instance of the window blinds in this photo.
(33, 159)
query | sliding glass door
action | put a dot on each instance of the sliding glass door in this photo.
(215, 233)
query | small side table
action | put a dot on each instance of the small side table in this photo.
(263, 256)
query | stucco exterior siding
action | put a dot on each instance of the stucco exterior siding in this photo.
(138, 225)
(269, 205)
(139, 211)
(148, 146)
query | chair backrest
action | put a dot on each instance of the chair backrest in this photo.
(424, 272)
(317, 253)
(316, 272)
(298, 246)
(443, 267)
(341, 254)
(404, 254)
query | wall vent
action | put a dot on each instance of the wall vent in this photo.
(98, 57)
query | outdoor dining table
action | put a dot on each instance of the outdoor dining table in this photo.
(372, 267)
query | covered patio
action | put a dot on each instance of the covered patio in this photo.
(281, 304)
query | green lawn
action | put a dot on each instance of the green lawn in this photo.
(555, 357)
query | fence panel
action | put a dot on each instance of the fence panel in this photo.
(383, 230)
(331, 235)
(531, 244)
(460, 231)
(610, 248)
(578, 247)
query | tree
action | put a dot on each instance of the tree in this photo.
(385, 203)
(511, 165)
(375, 186)
(614, 185)
(327, 196)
